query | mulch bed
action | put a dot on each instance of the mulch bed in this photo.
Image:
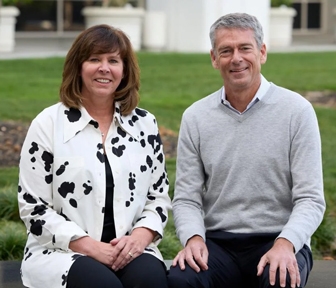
(12, 133)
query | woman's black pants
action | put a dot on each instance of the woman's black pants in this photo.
(145, 271)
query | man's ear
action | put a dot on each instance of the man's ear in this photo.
(213, 59)
(263, 54)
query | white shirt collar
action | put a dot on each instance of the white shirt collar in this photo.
(264, 86)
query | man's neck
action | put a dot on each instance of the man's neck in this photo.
(240, 98)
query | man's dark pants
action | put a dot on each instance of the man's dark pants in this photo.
(232, 263)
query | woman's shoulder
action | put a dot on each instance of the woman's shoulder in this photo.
(51, 111)
(143, 113)
(48, 117)
(140, 115)
(139, 121)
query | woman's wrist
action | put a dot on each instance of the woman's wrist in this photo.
(146, 234)
(81, 245)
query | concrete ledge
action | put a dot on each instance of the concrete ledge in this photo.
(10, 274)
(323, 274)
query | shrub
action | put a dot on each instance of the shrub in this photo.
(13, 238)
(9, 204)
(278, 3)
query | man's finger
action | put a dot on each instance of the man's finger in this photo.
(181, 263)
(261, 266)
(272, 273)
(283, 275)
(191, 262)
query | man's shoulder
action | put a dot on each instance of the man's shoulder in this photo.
(206, 103)
(287, 97)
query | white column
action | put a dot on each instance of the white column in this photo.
(189, 21)
(7, 28)
(155, 31)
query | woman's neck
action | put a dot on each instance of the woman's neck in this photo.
(100, 111)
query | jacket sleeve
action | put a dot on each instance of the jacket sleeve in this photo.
(35, 192)
(155, 213)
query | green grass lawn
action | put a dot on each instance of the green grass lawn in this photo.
(169, 84)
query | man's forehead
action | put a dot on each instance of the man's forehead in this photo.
(235, 35)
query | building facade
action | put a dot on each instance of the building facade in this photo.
(186, 24)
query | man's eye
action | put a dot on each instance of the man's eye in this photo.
(224, 52)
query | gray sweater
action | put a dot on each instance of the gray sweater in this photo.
(257, 172)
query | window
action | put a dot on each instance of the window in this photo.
(55, 15)
(308, 15)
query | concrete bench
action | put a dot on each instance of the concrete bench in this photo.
(323, 274)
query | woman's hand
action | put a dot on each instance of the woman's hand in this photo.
(127, 248)
(100, 251)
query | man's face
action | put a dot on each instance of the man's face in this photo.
(238, 59)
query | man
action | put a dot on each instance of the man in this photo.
(249, 187)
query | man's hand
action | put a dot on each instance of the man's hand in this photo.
(195, 253)
(281, 256)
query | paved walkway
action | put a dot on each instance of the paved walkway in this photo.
(39, 49)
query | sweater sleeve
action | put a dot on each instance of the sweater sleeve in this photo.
(190, 178)
(306, 171)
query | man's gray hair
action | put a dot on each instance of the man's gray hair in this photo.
(238, 21)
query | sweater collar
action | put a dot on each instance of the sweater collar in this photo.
(263, 88)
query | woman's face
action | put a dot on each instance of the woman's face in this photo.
(101, 75)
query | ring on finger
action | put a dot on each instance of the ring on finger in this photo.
(129, 253)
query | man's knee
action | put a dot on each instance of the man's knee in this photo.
(265, 283)
(187, 278)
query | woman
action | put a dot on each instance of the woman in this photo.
(93, 189)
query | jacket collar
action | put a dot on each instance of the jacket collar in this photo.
(75, 120)
(129, 122)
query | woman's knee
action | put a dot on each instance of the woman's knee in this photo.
(145, 271)
(89, 273)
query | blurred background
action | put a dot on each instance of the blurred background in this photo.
(174, 25)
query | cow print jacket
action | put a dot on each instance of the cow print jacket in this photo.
(62, 185)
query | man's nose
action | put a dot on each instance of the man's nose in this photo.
(236, 57)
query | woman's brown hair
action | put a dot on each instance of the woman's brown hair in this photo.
(101, 39)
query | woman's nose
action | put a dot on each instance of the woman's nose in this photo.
(104, 67)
